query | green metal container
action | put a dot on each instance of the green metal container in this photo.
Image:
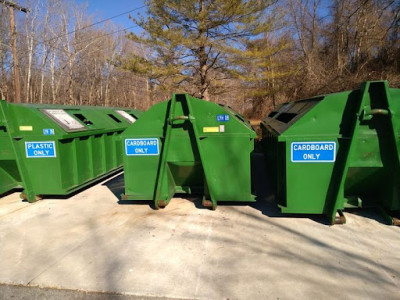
(336, 151)
(188, 145)
(56, 150)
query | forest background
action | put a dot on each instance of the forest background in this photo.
(249, 54)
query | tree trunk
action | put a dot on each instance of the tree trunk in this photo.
(204, 84)
(29, 67)
(53, 77)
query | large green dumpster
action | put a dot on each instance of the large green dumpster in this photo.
(336, 151)
(55, 150)
(188, 145)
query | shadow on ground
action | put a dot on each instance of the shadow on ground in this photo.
(15, 190)
(9, 291)
(117, 186)
(265, 198)
(72, 194)
(100, 246)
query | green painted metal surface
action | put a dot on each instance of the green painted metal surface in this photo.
(187, 145)
(55, 150)
(362, 166)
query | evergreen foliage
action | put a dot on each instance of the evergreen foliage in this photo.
(198, 43)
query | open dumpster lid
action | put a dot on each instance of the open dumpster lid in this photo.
(65, 120)
(281, 118)
(128, 117)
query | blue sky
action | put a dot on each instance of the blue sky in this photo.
(103, 9)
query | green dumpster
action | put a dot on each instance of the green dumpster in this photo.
(188, 145)
(336, 151)
(56, 150)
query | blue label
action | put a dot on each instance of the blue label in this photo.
(142, 147)
(48, 131)
(40, 149)
(313, 151)
(222, 118)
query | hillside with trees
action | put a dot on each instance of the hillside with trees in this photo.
(250, 54)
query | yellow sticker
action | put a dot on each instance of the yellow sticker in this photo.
(210, 129)
(25, 128)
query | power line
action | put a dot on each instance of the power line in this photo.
(79, 29)
(46, 68)
(40, 51)
(107, 34)
(96, 23)
(85, 27)
(64, 50)
(15, 6)
(24, 55)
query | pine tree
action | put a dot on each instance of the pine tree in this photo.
(189, 43)
(264, 69)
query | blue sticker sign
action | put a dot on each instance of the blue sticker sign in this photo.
(40, 149)
(48, 131)
(313, 152)
(222, 118)
(142, 146)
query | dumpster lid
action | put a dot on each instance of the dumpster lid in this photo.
(281, 118)
(127, 116)
(237, 115)
(62, 118)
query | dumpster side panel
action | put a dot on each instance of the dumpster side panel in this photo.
(225, 152)
(363, 125)
(394, 96)
(83, 158)
(7, 180)
(183, 161)
(373, 168)
(9, 173)
(98, 154)
(69, 174)
(226, 160)
(306, 183)
(204, 148)
(59, 149)
(44, 173)
(141, 185)
(324, 119)
(141, 171)
(113, 149)
(302, 185)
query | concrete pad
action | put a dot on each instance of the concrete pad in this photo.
(11, 203)
(90, 242)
